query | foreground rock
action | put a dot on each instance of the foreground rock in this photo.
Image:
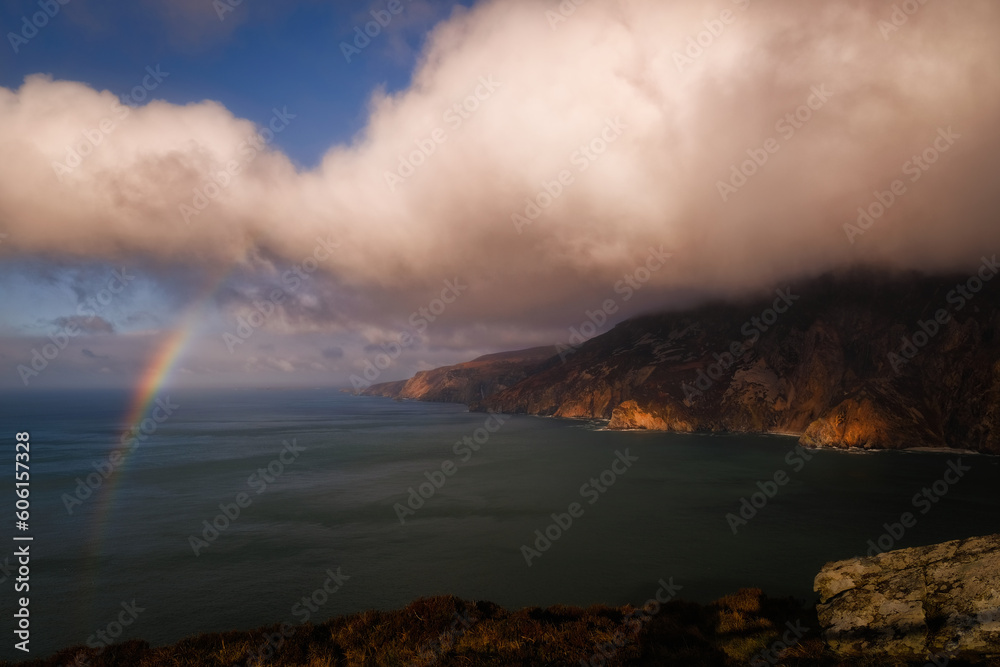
(939, 601)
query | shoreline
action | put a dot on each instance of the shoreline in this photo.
(783, 434)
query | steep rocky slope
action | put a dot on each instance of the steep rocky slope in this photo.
(864, 360)
(466, 382)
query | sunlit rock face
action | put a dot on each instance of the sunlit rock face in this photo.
(629, 415)
(856, 361)
(941, 601)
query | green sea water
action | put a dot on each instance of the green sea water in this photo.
(323, 478)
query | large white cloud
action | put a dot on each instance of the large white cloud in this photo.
(683, 125)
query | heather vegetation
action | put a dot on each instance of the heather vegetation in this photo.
(746, 628)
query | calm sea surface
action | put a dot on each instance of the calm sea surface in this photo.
(330, 505)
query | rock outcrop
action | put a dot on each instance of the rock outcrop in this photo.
(939, 601)
(629, 416)
(848, 363)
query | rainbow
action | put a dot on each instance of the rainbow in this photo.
(157, 373)
(166, 354)
(163, 361)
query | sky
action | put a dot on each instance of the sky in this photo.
(313, 194)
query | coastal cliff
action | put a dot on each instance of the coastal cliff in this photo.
(863, 360)
(466, 382)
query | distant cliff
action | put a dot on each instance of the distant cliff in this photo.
(858, 361)
(466, 382)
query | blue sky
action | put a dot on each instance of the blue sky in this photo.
(261, 55)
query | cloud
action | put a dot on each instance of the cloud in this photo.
(404, 32)
(679, 128)
(85, 324)
(333, 353)
(90, 354)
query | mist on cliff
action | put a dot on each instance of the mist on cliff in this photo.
(543, 153)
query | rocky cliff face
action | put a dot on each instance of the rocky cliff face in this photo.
(859, 361)
(466, 382)
(939, 602)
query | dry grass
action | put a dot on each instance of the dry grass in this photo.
(728, 632)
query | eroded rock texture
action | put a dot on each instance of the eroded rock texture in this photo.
(941, 600)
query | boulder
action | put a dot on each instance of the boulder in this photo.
(940, 601)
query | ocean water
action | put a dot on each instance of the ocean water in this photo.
(330, 504)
